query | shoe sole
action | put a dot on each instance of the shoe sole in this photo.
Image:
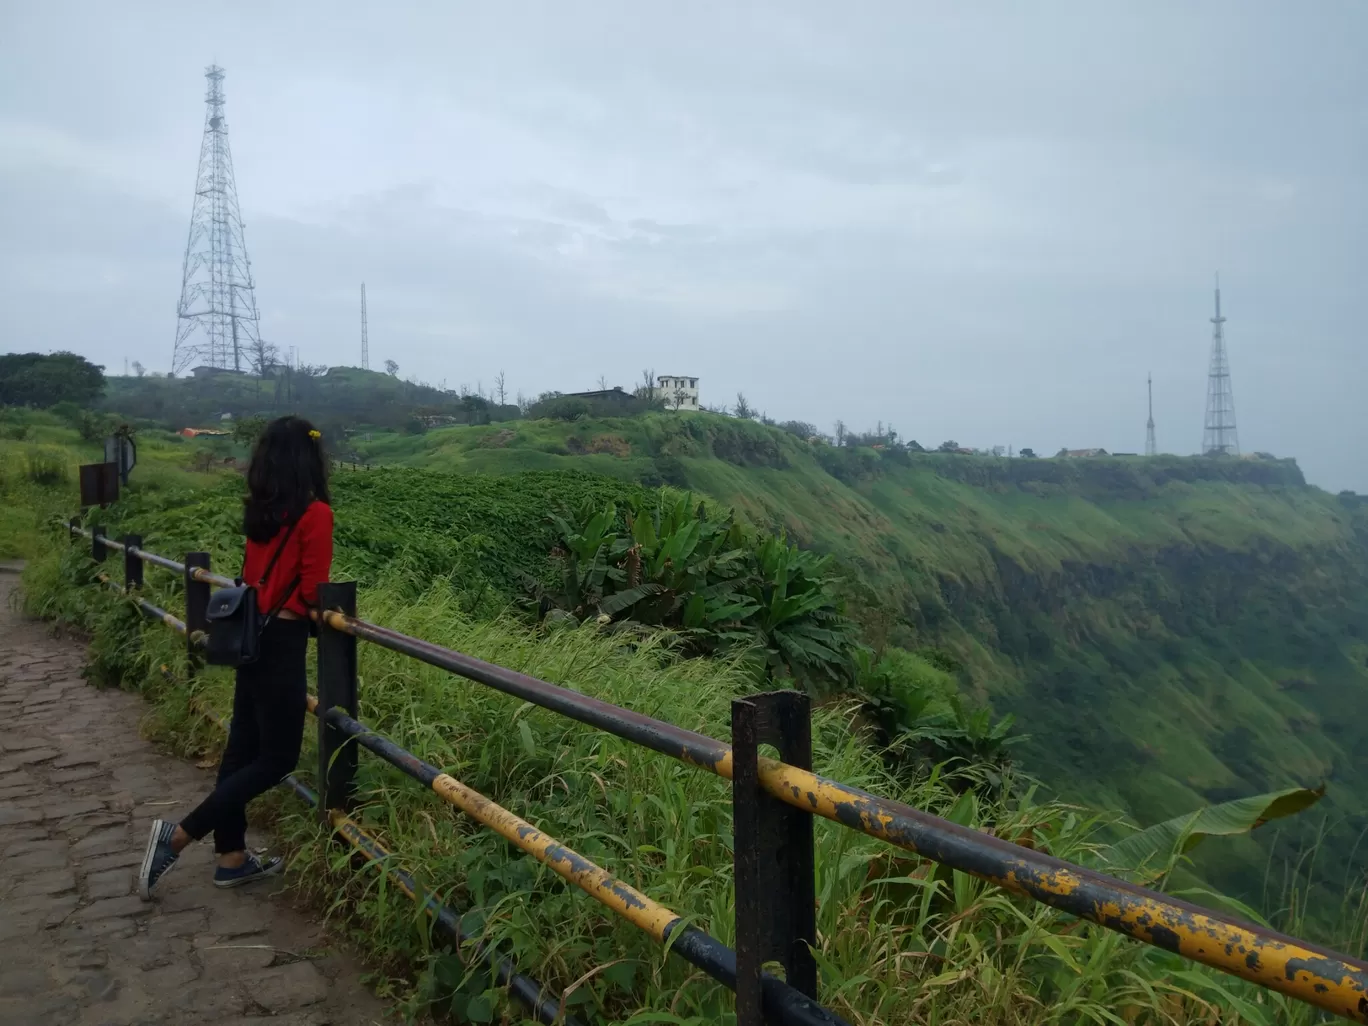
(145, 870)
(272, 870)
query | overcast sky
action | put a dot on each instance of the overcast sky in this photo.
(985, 226)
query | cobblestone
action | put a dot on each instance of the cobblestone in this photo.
(77, 789)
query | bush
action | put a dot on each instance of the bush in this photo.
(47, 467)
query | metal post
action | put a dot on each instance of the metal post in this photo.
(776, 900)
(336, 689)
(97, 549)
(196, 606)
(72, 524)
(133, 566)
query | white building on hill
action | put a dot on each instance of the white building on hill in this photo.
(679, 393)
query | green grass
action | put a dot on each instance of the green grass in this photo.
(896, 946)
(40, 456)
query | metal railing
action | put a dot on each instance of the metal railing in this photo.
(773, 805)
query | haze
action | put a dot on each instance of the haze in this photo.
(983, 225)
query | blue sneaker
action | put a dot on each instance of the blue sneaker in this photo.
(252, 869)
(158, 860)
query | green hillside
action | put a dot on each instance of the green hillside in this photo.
(1168, 631)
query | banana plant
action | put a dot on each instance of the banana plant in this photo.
(723, 585)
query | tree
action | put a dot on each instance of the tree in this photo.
(139, 369)
(648, 387)
(1028, 454)
(603, 382)
(391, 368)
(32, 379)
(248, 430)
(840, 431)
(501, 388)
(263, 356)
(948, 446)
(743, 408)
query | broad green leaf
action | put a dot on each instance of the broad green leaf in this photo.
(1153, 850)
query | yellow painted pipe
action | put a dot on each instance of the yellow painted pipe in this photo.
(620, 898)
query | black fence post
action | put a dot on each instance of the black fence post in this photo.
(97, 549)
(336, 690)
(196, 606)
(776, 898)
(133, 566)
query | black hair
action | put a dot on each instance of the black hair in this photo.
(288, 471)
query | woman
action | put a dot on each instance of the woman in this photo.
(289, 527)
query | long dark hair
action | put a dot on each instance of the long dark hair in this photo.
(288, 471)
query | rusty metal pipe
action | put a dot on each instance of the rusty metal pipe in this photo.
(545, 1007)
(148, 609)
(1304, 971)
(705, 952)
(448, 920)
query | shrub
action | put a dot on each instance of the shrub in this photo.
(47, 467)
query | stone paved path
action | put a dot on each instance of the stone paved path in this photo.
(78, 787)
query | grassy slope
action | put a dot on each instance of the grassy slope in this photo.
(1168, 631)
(664, 828)
(30, 439)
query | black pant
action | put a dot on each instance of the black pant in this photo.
(264, 737)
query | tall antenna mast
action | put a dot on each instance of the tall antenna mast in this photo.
(365, 339)
(1219, 438)
(217, 311)
(1151, 449)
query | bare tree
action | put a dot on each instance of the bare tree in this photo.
(648, 384)
(524, 403)
(743, 409)
(501, 388)
(391, 368)
(840, 430)
(603, 382)
(139, 369)
(263, 356)
(679, 397)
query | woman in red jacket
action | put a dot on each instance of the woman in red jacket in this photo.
(289, 527)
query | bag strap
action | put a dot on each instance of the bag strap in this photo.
(289, 530)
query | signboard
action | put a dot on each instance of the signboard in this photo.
(120, 450)
(99, 484)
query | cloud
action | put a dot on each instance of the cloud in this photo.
(984, 223)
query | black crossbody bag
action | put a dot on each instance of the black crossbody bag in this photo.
(235, 623)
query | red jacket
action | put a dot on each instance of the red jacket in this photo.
(307, 556)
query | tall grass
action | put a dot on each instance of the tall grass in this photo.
(899, 940)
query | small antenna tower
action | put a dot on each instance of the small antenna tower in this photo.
(1151, 448)
(365, 339)
(217, 311)
(1219, 438)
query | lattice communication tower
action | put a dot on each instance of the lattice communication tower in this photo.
(218, 323)
(1219, 438)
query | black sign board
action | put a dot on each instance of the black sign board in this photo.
(99, 484)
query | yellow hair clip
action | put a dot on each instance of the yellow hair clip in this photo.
(315, 435)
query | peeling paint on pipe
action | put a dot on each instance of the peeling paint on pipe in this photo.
(696, 947)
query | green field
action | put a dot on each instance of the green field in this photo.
(1168, 633)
